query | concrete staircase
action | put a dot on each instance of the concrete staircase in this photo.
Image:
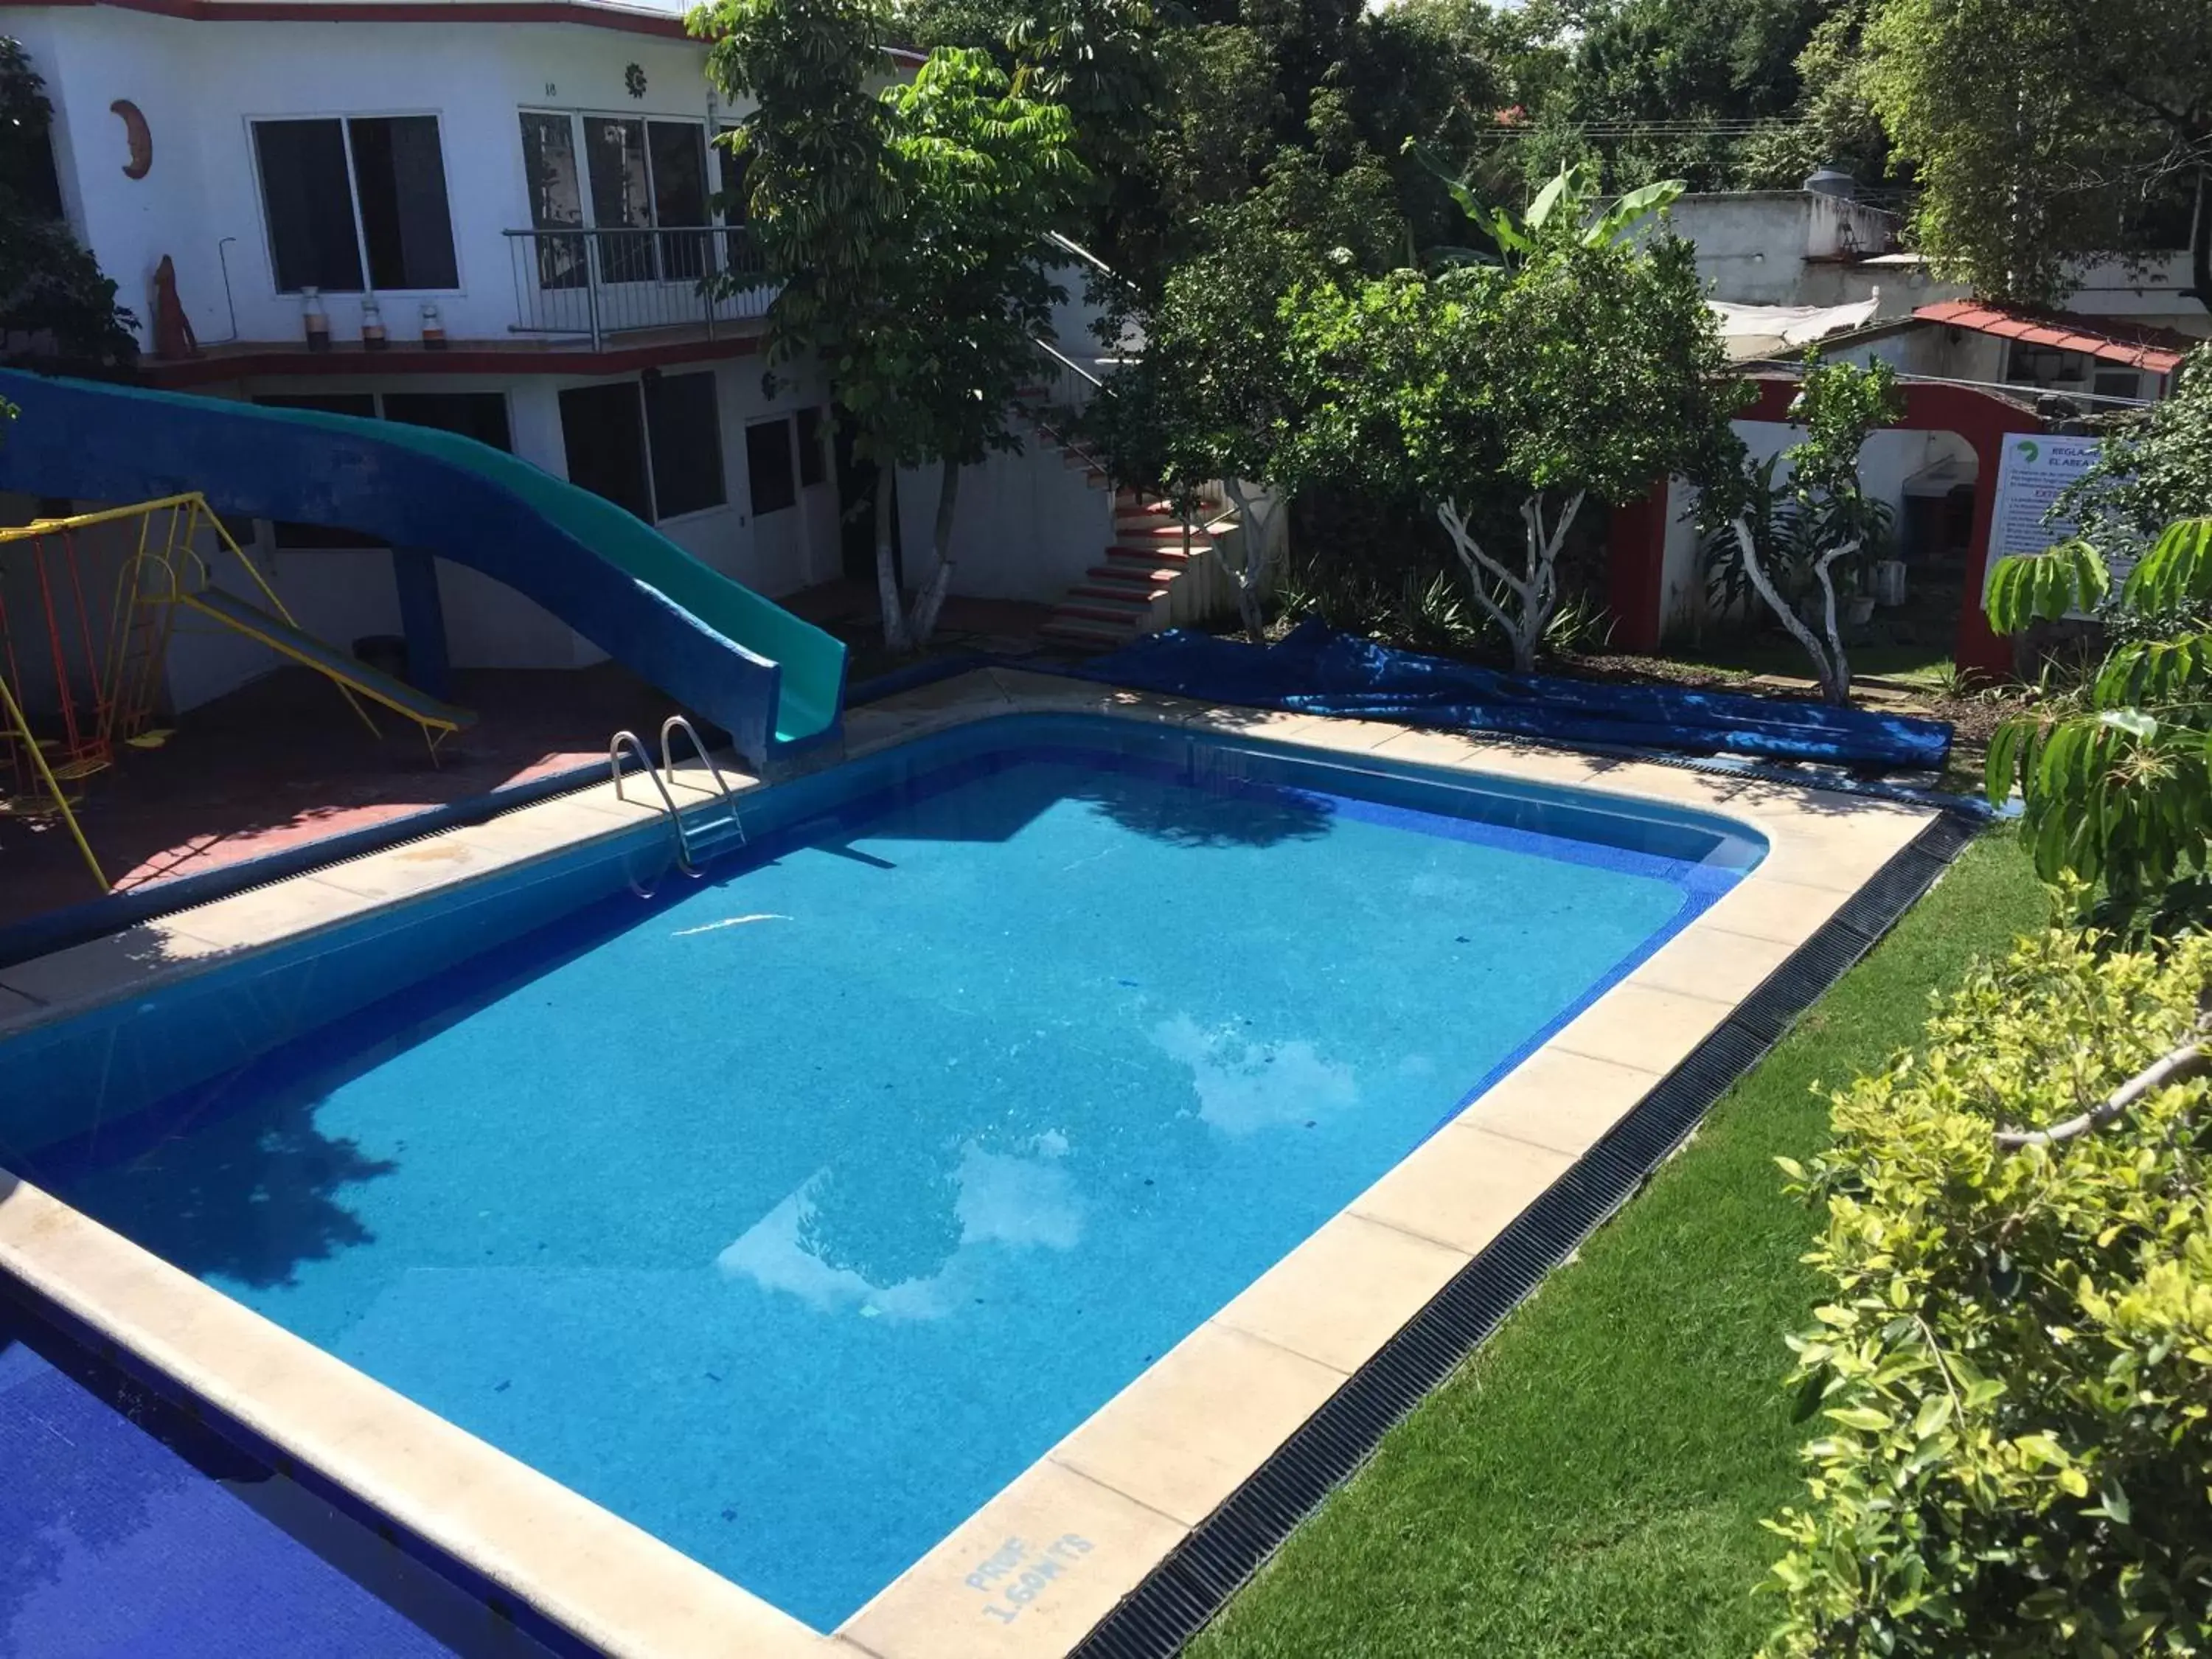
(1147, 580)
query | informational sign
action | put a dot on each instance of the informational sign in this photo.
(2036, 469)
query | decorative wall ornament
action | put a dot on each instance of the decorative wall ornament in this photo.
(172, 330)
(634, 78)
(140, 135)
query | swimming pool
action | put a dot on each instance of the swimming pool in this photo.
(793, 1213)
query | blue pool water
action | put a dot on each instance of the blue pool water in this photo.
(792, 1214)
(130, 1530)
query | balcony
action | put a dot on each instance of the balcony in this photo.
(592, 285)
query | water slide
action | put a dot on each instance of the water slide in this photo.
(747, 664)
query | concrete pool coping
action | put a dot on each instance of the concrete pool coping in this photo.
(1041, 1565)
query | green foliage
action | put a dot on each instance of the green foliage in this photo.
(1211, 397)
(1798, 540)
(54, 303)
(1564, 210)
(905, 224)
(1590, 368)
(2117, 782)
(2153, 466)
(822, 193)
(2043, 130)
(2011, 1373)
(2046, 585)
(1680, 79)
(1501, 398)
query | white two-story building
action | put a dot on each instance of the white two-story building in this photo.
(520, 194)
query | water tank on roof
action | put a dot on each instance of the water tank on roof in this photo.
(1833, 181)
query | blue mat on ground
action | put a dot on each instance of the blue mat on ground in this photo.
(1315, 670)
(125, 1530)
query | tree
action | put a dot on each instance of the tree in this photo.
(906, 229)
(2044, 131)
(2118, 780)
(1211, 400)
(2116, 774)
(1790, 541)
(1492, 395)
(54, 303)
(2153, 466)
(1677, 83)
(2006, 1388)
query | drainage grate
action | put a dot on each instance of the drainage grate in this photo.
(1181, 1595)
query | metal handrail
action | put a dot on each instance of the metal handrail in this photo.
(592, 281)
(1053, 429)
(630, 740)
(675, 722)
(1066, 361)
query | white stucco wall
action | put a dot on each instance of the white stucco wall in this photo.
(1753, 247)
(1887, 460)
(1025, 526)
(200, 84)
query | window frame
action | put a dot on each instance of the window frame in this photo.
(712, 158)
(754, 511)
(721, 446)
(345, 118)
(637, 388)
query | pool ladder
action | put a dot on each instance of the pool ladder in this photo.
(714, 829)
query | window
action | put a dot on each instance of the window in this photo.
(767, 466)
(38, 180)
(2116, 383)
(813, 461)
(478, 414)
(731, 170)
(635, 177)
(400, 178)
(335, 188)
(603, 434)
(654, 446)
(684, 431)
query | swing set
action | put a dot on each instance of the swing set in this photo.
(100, 668)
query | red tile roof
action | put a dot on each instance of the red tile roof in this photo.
(2157, 349)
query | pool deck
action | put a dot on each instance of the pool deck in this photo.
(1034, 1570)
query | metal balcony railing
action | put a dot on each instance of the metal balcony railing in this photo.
(593, 283)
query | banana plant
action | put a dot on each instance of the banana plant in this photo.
(1561, 209)
(2117, 782)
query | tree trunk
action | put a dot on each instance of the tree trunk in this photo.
(889, 599)
(1836, 681)
(1536, 591)
(940, 579)
(1829, 666)
(1251, 575)
(1477, 564)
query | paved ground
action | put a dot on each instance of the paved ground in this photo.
(283, 761)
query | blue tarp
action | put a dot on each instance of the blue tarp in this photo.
(1315, 670)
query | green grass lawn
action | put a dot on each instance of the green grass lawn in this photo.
(1591, 1483)
(1927, 666)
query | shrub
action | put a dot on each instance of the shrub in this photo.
(2012, 1376)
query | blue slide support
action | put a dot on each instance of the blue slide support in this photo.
(422, 620)
(767, 679)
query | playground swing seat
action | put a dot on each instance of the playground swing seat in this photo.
(159, 580)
